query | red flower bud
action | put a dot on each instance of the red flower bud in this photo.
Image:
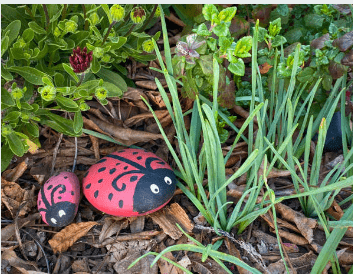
(80, 60)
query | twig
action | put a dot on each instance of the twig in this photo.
(40, 246)
(247, 247)
(130, 30)
(63, 15)
(46, 16)
(75, 159)
(150, 18)
(55, 153)
(108, 31)
(17, 230)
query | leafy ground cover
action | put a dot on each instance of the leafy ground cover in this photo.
(250, 104)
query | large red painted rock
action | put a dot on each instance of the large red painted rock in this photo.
(58, 199)
(131, 182)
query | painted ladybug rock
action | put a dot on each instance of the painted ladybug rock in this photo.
(131, 182)
(58, 199)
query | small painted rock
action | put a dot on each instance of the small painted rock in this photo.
(58, 199)
(131, 182)
(333, 140)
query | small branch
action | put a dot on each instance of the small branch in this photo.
(82, 76)
(130, 30)
(85, 16)
(30, 13)
(108, 31)
(150, 18)
(46, 16)
(64, 12)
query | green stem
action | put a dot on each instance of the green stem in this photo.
(130, 30)
(81, 79)
(85, 16)
(30, 13)
(150, 18)
(108, 31)
(46, 16)
(64, 12)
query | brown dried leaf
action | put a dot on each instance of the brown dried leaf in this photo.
(143, 116)
(235, 252)
(142, 266)
(347, 60)
(238, 26)
(165, 266)
(14, 174)
(226, 98)
(304, 224)
(111, 227)
(138, 224)
(303, 264)
(156, 98)
(9, 231)
(10, 256)
(342, 8)
(207, 267)
(264, 68)
(69, 235)
(168, 217)
(134, 94)
(318, 43)
(344, 42)
(125, 136)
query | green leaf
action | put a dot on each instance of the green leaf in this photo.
(113, 90)
(116, 42)
(59, 79)
(47, 81)
(105, 7)
(4, 44)
(32, 129)
(66, 103)
(227, 14)
(327, 82)
(275, 27)
(202, 30)
(313, 21)
(15, 144)
(78, 122)
(243, 46)
(13, 30)
(225, 43)
(222, 29)
(6, 156)
(30, 74)
(6, 74)
(278, 40)
(36, 28)
(237, 68)
(306, 75)
(96, 66)
(28, 35)
(70, 71)
(6, 97)
(112, 77)
(206, 63)
(293, 35)
(209, 11)
(12, 116)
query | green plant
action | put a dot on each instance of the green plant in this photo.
(193, 63)
(55, 59)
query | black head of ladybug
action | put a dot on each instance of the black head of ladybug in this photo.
(58, 214)
(154, 189)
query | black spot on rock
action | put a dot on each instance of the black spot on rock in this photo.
(72, 193)
(134, 153)
(110, 196)
(101, 161)
(112, 170)
(161, 163)
(133, 178)
(59, 197)
(121, 203)
(101, 169)
(139, 158)
(96, 193)
(50, 187)
(85, 175)
(117, 164)
(100, 180)
(65, 177)
(126, 167)
(40, 202)
(88, 186)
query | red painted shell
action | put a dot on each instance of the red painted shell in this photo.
(131, 182)
(58, 199)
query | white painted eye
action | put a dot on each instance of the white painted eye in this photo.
(154, 188)
(167, 180)
(53, 220)
(61, 213)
